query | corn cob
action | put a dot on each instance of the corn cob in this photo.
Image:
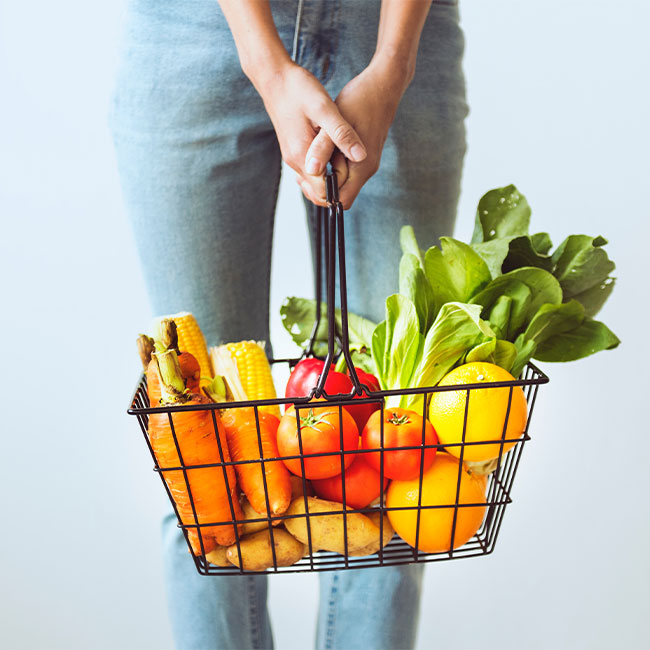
(247, 371)
(190, 339)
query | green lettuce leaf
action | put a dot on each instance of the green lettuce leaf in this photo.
(299, 315)
(455, 272)
(583, 268)
(413, 284)
(501, 353)
(588, 338)
(458, 327)
(528, 287)
(502, 212)
(522, 252)
(396, 343)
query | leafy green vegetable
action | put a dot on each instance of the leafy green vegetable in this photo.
(502, 212)
(554, 319)
(396, 343)
(528, 288)
(501, 353)
(582, 268)
(522, 252)
(299, 315)
(455, 273)
(505, 298)
(457, 328)
(414, 285)
(590, 337)
(409, 243)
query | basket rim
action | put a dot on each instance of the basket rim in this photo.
(344, 399)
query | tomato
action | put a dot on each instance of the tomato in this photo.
(402, 428)
(304, 379)
(362, 412)
(320, 432)
(362, 484)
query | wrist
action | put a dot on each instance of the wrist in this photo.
(265, 65)
(396, 68)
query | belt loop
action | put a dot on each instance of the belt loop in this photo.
(296, 31)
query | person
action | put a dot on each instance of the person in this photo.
(209, 98)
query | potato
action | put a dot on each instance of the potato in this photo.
(218, 556)
(255, 526)
(327, 530)
(373, 547)
(257, 553)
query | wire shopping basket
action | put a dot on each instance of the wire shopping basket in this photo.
(316, 519)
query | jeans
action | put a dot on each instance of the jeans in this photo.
(200, 166)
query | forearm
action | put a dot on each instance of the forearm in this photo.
(398, 37)
(261, 52)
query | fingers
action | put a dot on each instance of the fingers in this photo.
(357, 177)
(311, 193)
(319, 153)
(340, 165)
(341, 133)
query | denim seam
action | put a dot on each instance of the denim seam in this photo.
(253, 612)
(331, 613)
(269, 248)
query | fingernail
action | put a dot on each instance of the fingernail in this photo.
(313, 166)
(357, 152)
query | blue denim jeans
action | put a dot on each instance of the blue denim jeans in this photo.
(200, 167)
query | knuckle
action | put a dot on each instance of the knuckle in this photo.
(343, 133)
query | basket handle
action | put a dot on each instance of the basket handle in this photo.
(330, 236)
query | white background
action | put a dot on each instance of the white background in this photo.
(559, 105)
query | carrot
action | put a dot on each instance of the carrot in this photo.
(243, 444)
(190, 369)
(198, 445)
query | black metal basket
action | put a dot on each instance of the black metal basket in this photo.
(330, 237)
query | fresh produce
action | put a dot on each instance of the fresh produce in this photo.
(257, 551)
(297, 487)
(402, 428)
(198, 445)
(168, 340)
(486, 413)
(248, 527)
(327, 531)
(504, 298)
(251, 436)
(439, 485)
(218, 557)
(190, 339)
(321, 426)
(244, 435)
(299, 316)
(304, 378)
(362, 484)
(387, 535)
(248, 371)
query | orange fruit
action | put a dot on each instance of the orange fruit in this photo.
(486, 414)
(439, 484)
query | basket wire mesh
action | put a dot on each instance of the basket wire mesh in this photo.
(330, 241)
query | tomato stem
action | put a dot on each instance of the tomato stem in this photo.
(311, 421)
(398, 420)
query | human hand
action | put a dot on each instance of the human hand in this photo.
(369, 103)
(300, 109)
